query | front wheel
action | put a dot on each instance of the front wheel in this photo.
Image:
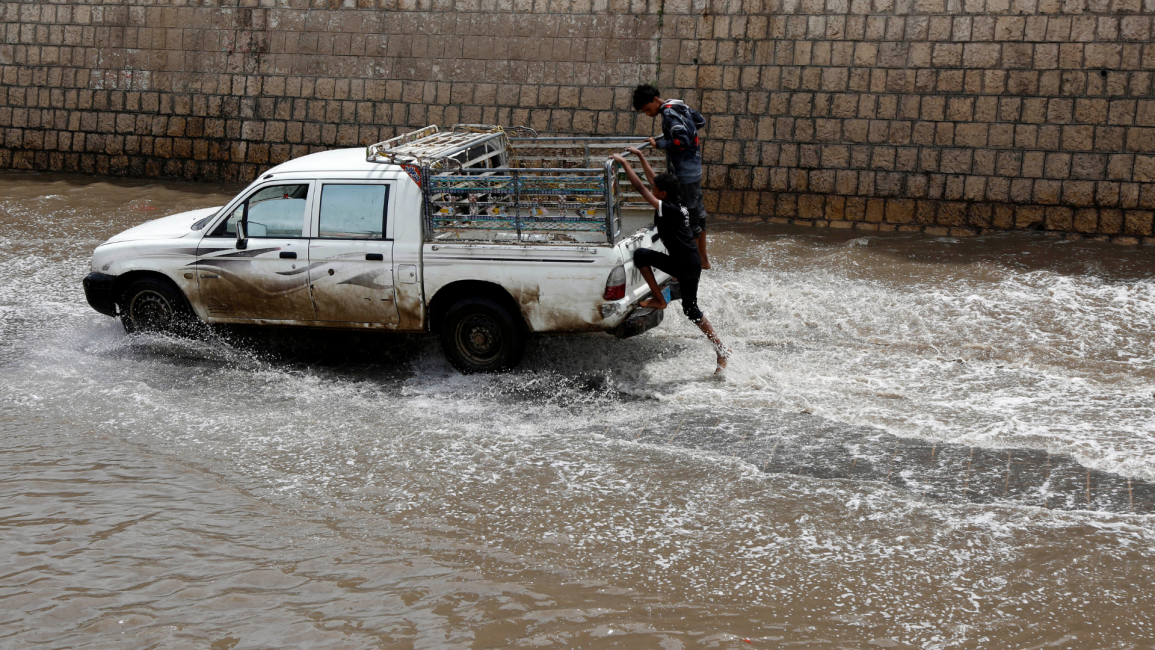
(151, 305)
(479, 335)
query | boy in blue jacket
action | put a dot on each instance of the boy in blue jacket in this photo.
(680, 125)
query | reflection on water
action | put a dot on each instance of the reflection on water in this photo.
(249, 489)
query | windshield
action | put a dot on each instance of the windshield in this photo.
(201, 223)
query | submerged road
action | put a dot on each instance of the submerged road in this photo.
(920, 443)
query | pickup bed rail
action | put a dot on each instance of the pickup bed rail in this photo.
(538, 205)
(479, 184)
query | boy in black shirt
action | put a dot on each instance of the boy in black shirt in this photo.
(682, 261)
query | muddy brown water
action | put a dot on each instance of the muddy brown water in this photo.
(921, 442)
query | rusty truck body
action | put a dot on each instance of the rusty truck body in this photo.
(443, 231)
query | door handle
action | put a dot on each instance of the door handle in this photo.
(375, 257)
(288, 256)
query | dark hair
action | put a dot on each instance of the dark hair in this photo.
(668, 183)
(644, 94)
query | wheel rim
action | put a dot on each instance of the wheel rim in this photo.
(479, 339)
(150, 311)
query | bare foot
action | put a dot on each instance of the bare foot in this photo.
(723, 355)
(653, 303)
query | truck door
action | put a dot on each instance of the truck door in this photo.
(268, 278)
(351, 257)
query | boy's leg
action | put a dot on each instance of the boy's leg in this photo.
(719, 349)
(690, 308)
(691, 195)
(702, 249)
(644, 259)
(658, 301)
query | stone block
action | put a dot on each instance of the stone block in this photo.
(1107, 194)
(1059, 218)
(1086, 220)
(980, 215)
(1003, 217)
(1009, 28)
(835, 209)
(971, 135)
(956, 161)
(1144, 168)
(1140, 140)
(1048, 192)
(1091, 111)
(597, 98)
(1109, 138)
(1078, 138)
(951, 214)
(947, 55)
(1145, 109)
(980, 55)
(1137, 222)
(811, 206)
(1106, 56)
(1057, 165)
(1110, 221)
(998, 189)
(1018, 56)
(900, 211)
(1001, 135)
(1088, 166)
(1079, 193)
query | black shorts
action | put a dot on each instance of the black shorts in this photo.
(691, 196)
(687, 274)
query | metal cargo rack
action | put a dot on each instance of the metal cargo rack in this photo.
(521, 204)
(586, 151)
(479, 184)
(463, 146)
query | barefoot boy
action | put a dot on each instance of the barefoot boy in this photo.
(682, 260)
(679, 140)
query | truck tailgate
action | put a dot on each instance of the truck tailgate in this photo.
(636, 288)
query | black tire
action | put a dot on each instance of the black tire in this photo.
(479, 335)
(153, 305)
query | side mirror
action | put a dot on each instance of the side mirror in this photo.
(242, 242)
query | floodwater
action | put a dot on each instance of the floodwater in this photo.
(303, 490)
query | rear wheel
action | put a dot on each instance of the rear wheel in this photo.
(479, 335)
(152, 305)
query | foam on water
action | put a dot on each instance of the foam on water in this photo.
(987, 355)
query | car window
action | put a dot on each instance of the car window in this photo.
(353, 211)
(228, 228)
(276, 211)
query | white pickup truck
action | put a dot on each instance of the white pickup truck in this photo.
(444, 231)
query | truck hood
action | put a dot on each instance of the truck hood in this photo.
(170, 227)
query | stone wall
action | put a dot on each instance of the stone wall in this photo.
(952, 116)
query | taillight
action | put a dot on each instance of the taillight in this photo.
(616, 284)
